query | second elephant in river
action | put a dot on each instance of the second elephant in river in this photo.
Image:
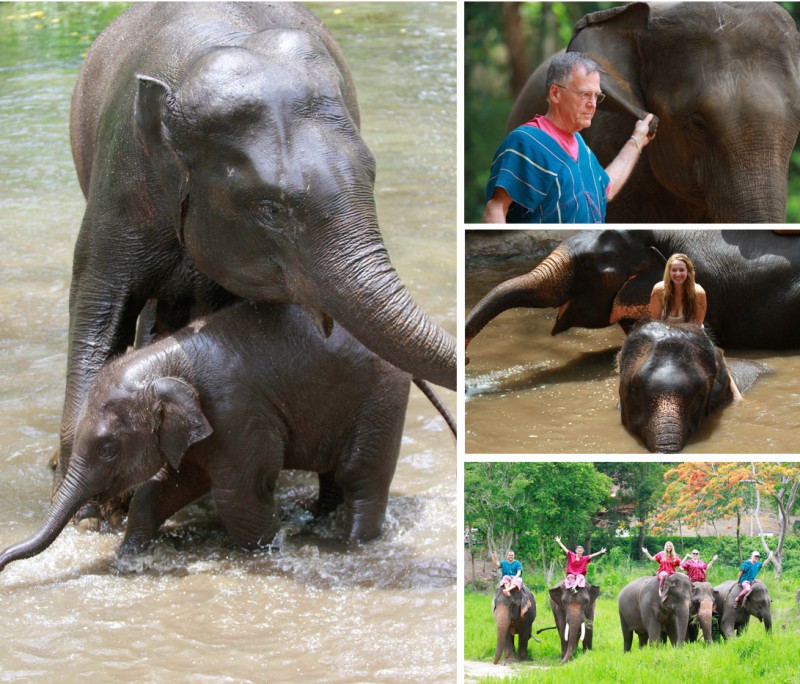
(513, 615)
(644, 612)
(573, 612)
(671, 378)
(224, 405)
(733, 618)
(597, 278)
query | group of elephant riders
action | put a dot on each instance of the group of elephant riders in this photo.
(653, 607)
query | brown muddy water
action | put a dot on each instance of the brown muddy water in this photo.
(530, 392)
(195, 609)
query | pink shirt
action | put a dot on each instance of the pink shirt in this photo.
(665, 564)
(567, 140)
(695, 569)
(575, 565)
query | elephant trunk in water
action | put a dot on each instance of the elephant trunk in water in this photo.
(358, 287)
(66, 503)
(547, 285)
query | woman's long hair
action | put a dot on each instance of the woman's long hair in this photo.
(689, 295)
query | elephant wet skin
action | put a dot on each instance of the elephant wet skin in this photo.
(219, 151)
(573, 612)
(716, 75)
(643, 612)
(597, 278)
(224, 405)
(734, 619)
(514, 616)
(671, 378)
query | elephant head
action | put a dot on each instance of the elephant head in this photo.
(573, 612)
(513, 615)
(269, 187)
(671, 377)
(716, 75)
(596, 278)
(675, 606)
(126, 432)
(704, 598)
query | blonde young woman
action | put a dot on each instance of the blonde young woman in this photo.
(679, 299)
(668, 562)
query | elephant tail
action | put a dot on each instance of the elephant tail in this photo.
(438, 404)
(544, 629)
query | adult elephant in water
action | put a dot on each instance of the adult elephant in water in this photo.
(514, 616)
(218, 147)
(598, 278)
(717, 75)
(650, 616)
(573, 612)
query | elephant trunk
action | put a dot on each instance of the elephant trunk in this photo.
(667, 427)
(65, 505)
(767, 619)
(502, 617)
(704, 618)
(574, 633)
(358, 287)
(547, 285)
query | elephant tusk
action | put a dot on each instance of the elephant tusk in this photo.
(566, 632)
(583, 630)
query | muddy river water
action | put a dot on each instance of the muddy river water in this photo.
(195, 609)
(530, 392)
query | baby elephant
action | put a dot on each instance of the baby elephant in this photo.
(671, 377)
(225, 404)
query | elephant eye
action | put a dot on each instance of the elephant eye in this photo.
(106, 451)
(696, 126)
(265, 208)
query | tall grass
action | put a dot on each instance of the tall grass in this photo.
(753, 655)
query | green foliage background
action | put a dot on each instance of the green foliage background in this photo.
(487, 90)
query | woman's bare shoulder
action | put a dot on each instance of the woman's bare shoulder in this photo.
(658, 287)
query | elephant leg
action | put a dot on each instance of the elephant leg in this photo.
(365, 472)
(627, 638)
(159, 498)
(644, 639)
(330, 494)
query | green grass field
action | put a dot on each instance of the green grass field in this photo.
(753, 655)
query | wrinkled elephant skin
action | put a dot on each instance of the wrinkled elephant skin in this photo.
(573, 613)
(224, 405)
(671, 378)
(514, 616)
(643, 612)
(704, 598)
(600, 277)
(716, 75)
(218, 147)
(734, 619)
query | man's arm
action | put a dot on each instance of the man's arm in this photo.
(620, 169)
(708, 567)
(496, 208)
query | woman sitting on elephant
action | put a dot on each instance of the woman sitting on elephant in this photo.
(667, 561)
(679, 299)
(511, 571)
(576, 565)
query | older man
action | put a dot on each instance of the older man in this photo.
(747, 574)
(543, 172)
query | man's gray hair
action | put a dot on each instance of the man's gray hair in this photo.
(562, 65)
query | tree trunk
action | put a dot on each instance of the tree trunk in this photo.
(518, 58)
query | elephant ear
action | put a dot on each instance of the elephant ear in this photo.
(721, 392)
(154, 101)
(181, 420)
(525, 605)
(594, 592)
(633, 298)
(611, 37)
(556, 595)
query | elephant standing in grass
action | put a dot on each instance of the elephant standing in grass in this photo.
(514, 616)
(704, 598)
(716, 75)
(734, 619)
(224, 405)
(642, 611)
(218, 148)
(573, 612)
